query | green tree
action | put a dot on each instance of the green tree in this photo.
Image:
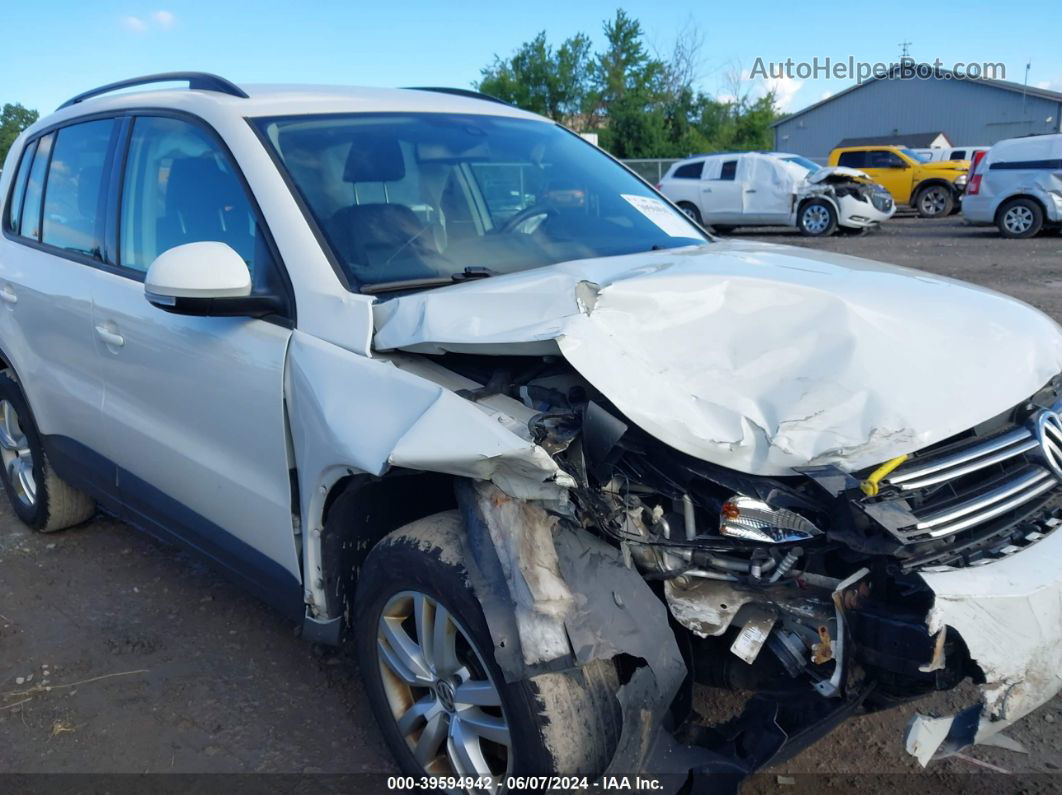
(13, 120)
(540, 79)
(639, 103)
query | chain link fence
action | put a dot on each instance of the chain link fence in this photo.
(651, 169)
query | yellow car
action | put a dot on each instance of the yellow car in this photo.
(932, 188)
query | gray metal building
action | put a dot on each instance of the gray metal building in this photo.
(970, 112)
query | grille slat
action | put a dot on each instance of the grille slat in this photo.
(965, 461)
(960, 489)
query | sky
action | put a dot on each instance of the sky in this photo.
(54, 49)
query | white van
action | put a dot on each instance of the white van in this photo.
(735, 189)
(1017, 186)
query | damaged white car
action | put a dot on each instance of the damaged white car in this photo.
(732, 189)
(437, 377)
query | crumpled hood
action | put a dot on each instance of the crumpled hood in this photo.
(839, 171)
(755, 356)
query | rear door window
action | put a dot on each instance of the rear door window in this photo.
(853, 159)
(728, 170)
(73, 207)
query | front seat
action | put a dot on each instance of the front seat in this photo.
(372, 235)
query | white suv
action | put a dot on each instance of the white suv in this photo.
(732, 189)
(438, 378)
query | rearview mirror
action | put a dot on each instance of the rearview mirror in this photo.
(206, 278)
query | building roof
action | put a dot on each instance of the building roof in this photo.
(921, 140)
(1004, 85)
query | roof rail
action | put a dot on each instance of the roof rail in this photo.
(459, 92)
(202, 81)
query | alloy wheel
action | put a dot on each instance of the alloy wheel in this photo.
(1018, 219)
(816, 219)
(934, 201)
(441, 695)
(16, 455)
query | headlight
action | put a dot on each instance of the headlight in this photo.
(754, 520)
(961, 180)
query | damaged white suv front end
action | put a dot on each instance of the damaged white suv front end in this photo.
(842, 477)
(827, 481)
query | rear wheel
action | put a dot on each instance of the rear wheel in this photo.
(38, 496)
(817, 219)
(692, 212)
(1020, 218)
(934, 201)
(440, 698)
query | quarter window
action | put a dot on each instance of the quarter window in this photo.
(30, 220)
(73, 211)
(689, 171)
(14, 207)
(179, 188)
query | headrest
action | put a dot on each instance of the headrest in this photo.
(197, 181)
(374, 158)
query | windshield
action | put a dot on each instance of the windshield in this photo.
(919, 158)
(810, 165)
(432, 196)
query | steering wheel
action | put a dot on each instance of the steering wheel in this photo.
(528, 213)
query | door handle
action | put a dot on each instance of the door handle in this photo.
(109, 337)
(7, 295)
(750, 190)
(706, 190)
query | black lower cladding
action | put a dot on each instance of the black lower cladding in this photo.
(137, 502)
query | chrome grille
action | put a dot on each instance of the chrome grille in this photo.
(967, 487)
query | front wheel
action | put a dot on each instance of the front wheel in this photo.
(442, 703)
(38, 496)
(817, 219)
(934, 201)
(1020, 218)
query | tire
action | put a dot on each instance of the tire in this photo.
(934, 201)
(817, 218)
(38, 496)
(1020, 218)
(691, 212)
(565, 723)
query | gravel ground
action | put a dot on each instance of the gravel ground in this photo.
(155, 664)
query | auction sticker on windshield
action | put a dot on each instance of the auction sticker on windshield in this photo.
(660, 214)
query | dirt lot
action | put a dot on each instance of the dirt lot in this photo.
(155, 664)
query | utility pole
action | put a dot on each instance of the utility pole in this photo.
(905, 50)
(1024, 88)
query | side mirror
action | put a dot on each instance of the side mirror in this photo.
(207, 279)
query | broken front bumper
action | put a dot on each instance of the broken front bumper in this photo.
(1009, 614)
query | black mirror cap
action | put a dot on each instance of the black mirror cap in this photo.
(256, 306)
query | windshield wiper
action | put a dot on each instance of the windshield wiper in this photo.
(469, 273)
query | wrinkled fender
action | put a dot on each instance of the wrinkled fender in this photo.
(351, 414)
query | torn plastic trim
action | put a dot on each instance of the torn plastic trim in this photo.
(350, 415)
(1009, 615)
(555, 597)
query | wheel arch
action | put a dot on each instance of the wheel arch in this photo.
(356, 511)
(930, 182)
(1020, 195)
